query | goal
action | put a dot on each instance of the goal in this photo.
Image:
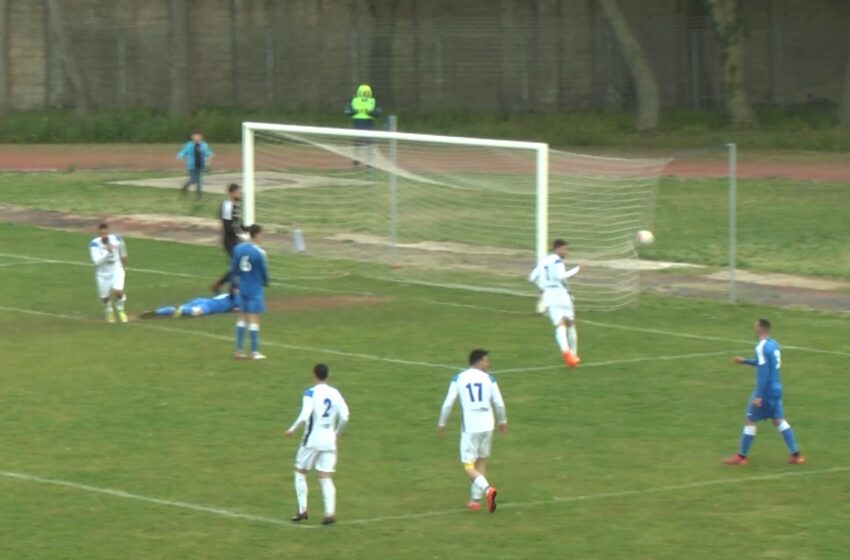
(450, 211)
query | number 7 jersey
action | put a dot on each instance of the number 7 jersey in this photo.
(479, 397)
(325, 414)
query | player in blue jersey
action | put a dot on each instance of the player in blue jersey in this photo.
(222, 303)
(249, 275)
(766, 400)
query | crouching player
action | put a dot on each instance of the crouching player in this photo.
(108, 252)
(249, 275)
(222, 303)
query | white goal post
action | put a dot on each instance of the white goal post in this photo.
(441, 210)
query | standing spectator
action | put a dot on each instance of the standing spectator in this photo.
(363, 110)
(196, 154)
(230, 214)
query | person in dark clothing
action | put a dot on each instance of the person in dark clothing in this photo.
(230, 213)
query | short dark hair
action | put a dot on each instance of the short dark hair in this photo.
(103, 225)
(477, 355)
(764, 324)
(254, 230)
(233, 187)
(320, 371)
(559, 243)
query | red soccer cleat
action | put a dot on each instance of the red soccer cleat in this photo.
(491, 499)
(473, 506)
(797, 459)
(571, 359)
(735, 460)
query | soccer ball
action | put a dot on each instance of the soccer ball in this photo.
(644, 237)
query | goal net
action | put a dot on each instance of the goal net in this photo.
(441, 210)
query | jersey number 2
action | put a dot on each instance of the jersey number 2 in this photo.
(469, 387)
(245, 264)
(328, 405)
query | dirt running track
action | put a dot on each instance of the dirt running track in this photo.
(160, 157)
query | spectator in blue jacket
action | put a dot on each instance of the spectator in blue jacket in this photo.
(196, 154)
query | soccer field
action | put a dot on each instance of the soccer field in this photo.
(147, 440)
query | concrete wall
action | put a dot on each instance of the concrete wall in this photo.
(417, 54)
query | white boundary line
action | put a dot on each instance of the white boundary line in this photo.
(605, 495)
(371, 357)
(453, 304)
(158, 501)
(407, 516)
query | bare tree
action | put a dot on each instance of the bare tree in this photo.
(4, 56)
(178, 104)
(844, 102)
(67, 56)
(646, 85)
(730, 26)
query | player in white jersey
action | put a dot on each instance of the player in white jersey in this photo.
(551, 276)
(108, 252)
(325, 414)
(479, 396)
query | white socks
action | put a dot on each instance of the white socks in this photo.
(481, 483)
(107, 306)
(329, 495)
(119, 303)
(561, 337)
(301, 491)
(475, 493)
(572, 336)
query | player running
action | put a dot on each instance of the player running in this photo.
(325, 414)
(109, 254)
(249, 272)
(551, 276)
(766, 400)
(479, 395)
(222, 303)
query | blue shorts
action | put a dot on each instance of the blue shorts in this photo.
(253, 305)
(767, 411)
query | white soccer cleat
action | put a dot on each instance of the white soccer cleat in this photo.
(257, 356)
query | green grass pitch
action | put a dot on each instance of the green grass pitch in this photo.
(148, 441)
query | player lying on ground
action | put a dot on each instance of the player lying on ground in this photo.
(249, 275)
(325, 414)
(766, 400)
(479, 395)
(109, 255)
(551, 276)
(222, 303)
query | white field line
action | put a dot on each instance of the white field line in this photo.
(645, 330)
(358, 355)
(407, 516)
(158, 501)
(606, 495)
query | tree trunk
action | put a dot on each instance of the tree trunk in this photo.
(844, 103)
(730, 26)
(381, 50)
(4, 56)
(644, 79)
(68, 57)
(178, 103)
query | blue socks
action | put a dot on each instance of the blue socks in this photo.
(788, 435)
(255, 336)
(240, 334)
(747, 438)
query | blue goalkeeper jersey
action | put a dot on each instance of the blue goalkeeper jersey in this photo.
(249, 268)
(768, 361)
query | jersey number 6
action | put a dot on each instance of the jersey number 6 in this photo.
(245, 264)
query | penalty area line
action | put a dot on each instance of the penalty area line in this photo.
(605, 495)
(221, 512)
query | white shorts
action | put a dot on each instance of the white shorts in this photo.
(475, 445)
(560, 312)
(107, 283)
(308, 458)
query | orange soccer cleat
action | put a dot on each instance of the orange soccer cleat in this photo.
(735, 459)
(571, 359)
(473, 506)
(491, 499)
(796, 459)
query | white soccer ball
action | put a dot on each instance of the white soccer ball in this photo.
(644, 237)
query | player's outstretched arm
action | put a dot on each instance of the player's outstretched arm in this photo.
(745, 361)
